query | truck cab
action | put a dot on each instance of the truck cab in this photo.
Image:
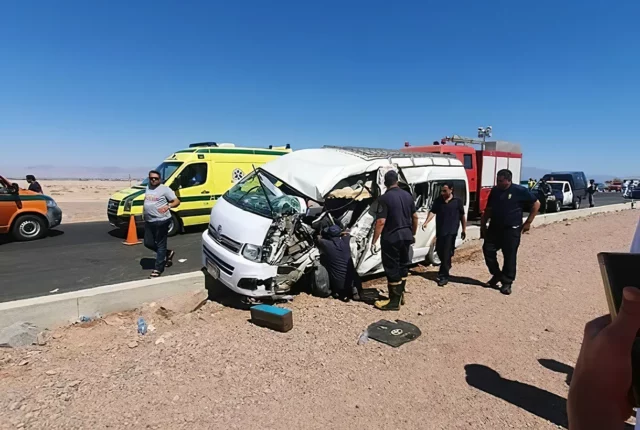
(481, 165)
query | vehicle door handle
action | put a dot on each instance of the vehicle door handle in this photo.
(205, 192)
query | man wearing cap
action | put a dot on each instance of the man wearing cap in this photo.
(396, 226)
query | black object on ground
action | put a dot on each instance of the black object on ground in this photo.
(393, 333)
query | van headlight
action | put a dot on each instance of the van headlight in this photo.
(252, 252)
(127, 205)
(51, 203)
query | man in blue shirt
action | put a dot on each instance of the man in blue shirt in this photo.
(449, 213)
(504, 209)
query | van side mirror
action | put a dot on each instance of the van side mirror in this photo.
(175, 185)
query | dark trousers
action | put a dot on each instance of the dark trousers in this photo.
(591, 203)
(506, 239)
(155, 239)
(445, 247)
(396, 260)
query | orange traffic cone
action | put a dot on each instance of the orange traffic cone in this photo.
(132, 234)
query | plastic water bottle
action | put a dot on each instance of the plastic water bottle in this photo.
(142, 326)
(364, 337)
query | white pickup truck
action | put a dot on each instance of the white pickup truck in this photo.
(562, 196)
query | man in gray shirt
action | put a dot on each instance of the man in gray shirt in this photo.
(158, 202)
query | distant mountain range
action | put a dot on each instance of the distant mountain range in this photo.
(46, 171)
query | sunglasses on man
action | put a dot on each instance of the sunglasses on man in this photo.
(154, 178)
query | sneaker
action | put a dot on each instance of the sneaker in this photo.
(442, 282)
(493, 282)
(506, 289)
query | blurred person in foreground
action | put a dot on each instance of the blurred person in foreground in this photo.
(448, 211)
(505, 207)
(33, 184)
(396, 226)
(158, 202)
(599, 396)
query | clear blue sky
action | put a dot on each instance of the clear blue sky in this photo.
(125, 83)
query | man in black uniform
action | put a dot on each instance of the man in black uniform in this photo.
(397, 223)
(335, 255)
(504, 209)
(449, 213)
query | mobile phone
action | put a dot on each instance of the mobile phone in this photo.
(620, 270)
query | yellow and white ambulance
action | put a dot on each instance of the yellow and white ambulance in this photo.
(199, 175)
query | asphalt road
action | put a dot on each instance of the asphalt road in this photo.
(86, 255)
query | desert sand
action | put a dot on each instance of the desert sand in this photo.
(81, 200)
(484, 360)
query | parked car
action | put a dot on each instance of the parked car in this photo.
(260, 240)
(578, 183)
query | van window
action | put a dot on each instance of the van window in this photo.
(468, 161)
(459, 190)
(193, 175)
(566, 188)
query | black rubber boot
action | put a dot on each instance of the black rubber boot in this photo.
(395, 297)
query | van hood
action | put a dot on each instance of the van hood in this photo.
(129, 193)
(239, 225)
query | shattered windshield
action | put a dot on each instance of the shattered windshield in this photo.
(250, 195)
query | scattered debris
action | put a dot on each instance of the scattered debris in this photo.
(363, 338)
(151, 328)
(84, 319)
(176, 398)
(420, 313)
(142, 326)
(133, 344)
(57, 335)
(272, 317)
(18, 335)
(23, 363)
(54, 291)
(51, 372)
(159, 340)
(568, 224)
(74, 384)
(41, 339)
(393, 333)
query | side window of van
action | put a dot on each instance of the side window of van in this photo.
(193, 175)
(460, 189)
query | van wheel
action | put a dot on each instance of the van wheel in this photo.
(576, 203)
(319, 281)
(175, 226)
(29, 227)
(432, 255)
(558, 207)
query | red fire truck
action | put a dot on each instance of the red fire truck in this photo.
(481, 164)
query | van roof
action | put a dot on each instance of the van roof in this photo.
(207, 153)
(314, 172)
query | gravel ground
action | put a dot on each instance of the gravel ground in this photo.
(484, 360)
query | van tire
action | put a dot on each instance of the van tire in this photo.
(176, 225)
(29, 227)
(557, 207)
(432, 256)
(319, 281)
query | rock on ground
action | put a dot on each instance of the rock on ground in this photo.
(19, 334)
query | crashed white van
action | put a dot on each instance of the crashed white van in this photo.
(261, 236)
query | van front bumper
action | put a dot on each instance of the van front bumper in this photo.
(240, 275)
(123, 221)
(54, 216)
